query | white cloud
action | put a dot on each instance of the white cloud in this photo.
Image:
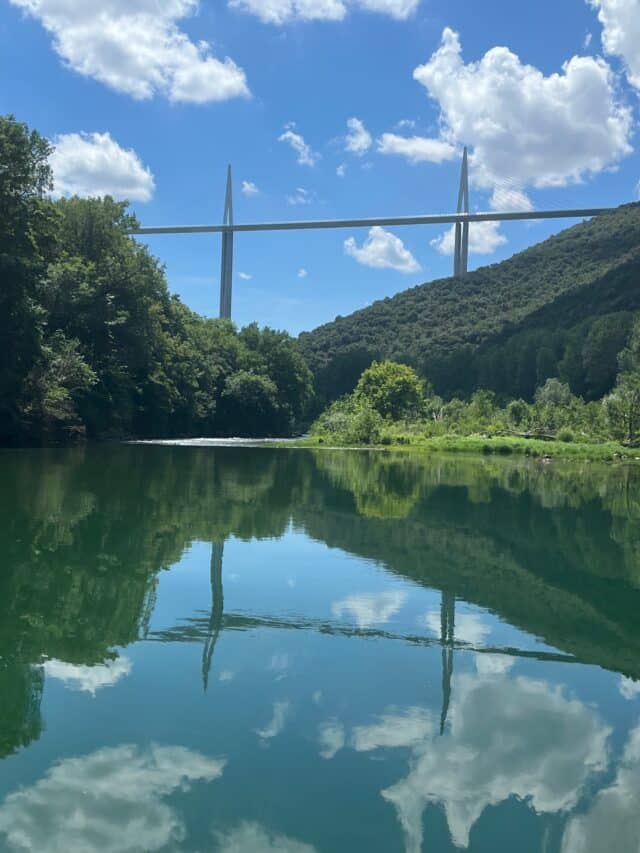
(93, 802)
(88, 678)
(93, 164)
(370, 608)
(277, 722)
(620, 21)
(281, 12)
(588, 38)
(417, 149)
(613, 821)
(300, 196)
(249, 188)
(484, 238)
(509, 199)
(629, 688)
(253, 838)
(382, 250)
(358, 140)
(302, 273)
(305, 155)
(136, 47)
(331, 737)
(245, 276)
(540, 748)
(341, 171)
(396, 728)
(523, 126)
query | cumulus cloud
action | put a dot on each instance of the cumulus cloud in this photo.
(245, 276)
(510, 199)
(302, 273)
(93, 802)
(358, 140)
(620, 21)
(341, 171)
(613, 821)
(255, 838)
(540, 747)
(249, 188)
(416, 149)
(93, 164)
(370, 608)
(277, 722)
(382, 250)
(281, 12)
(524, 126)
(484, 238)
(305, 156)
(137, 48)
(88, 679)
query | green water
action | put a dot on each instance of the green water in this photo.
(246, 649)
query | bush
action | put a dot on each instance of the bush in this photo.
(566, 434)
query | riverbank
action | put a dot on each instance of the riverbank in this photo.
(609, 451)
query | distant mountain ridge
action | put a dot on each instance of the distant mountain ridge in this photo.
(562, 307)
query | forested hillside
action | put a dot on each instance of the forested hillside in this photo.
(561, 308)
(93, 343)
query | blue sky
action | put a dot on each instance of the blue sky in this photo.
(328, 108)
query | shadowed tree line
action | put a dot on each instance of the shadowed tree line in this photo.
(93, 343)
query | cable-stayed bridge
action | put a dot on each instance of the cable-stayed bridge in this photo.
(462, 218)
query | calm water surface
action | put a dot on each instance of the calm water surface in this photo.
(281, 651)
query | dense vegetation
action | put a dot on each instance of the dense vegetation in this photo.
(393, 404)
(562, 308)
(93, 343)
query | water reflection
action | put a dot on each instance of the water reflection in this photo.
(109, 801)
(551, 551)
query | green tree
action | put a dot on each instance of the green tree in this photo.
(27, 243)
(393, 390)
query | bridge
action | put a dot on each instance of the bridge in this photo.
(461, 219)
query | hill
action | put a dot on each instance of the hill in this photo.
(560, 308)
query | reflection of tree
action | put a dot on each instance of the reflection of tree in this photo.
(21, 692)
(447, 636)
(554, 550)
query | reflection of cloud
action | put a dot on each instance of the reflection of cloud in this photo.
(396, 728)
(277, 722)
(493, 664)
(331, 736)
(280, 664)
(629, 688)
(316, 696)
(613, 822)
(88, 678)
(226, 675)
(469, 627)
(94, 802)
(509, 737)
(370, 608)
(253, 838)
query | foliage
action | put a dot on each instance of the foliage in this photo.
(393, 390)
(93, 342)
(562, 308)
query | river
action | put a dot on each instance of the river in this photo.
(258, 649)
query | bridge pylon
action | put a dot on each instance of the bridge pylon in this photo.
(461, 247)
(226, 266)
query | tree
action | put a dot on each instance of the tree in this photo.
(27, 243)
(622, 406)
(553, 393)
(393, 390)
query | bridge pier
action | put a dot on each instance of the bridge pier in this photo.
(226, 265)
(461, 247)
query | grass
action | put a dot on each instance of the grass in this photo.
(608, 451)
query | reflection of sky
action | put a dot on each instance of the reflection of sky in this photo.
(327, 706)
